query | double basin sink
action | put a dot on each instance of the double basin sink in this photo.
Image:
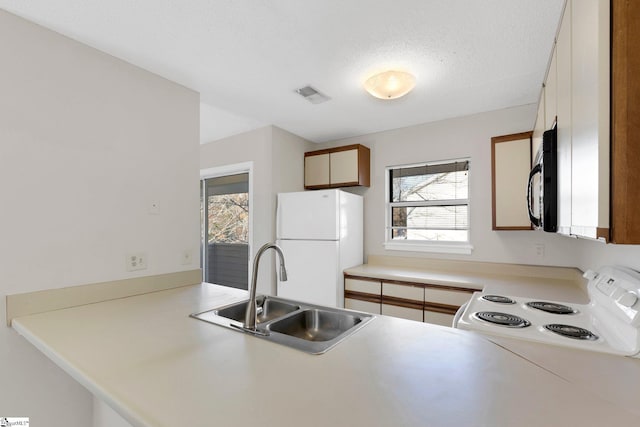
(307, 327)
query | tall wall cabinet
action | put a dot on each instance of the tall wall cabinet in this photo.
(591, 92)
(510, 166)
(625, 120)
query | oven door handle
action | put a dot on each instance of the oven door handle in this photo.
(534, 220)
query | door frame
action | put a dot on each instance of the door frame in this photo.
(225, 170)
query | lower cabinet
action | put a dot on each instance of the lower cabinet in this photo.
(403, 300)
(402, 312)
(359, 305)
(443, 319)
(414, 301)
(363, 294)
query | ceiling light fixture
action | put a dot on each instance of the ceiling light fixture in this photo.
(390, 84)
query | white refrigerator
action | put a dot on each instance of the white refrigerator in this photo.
(320, 233)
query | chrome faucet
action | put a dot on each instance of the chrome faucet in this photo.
(250, 318)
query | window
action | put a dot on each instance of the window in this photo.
(428, 207)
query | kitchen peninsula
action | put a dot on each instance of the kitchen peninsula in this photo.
(155, 366)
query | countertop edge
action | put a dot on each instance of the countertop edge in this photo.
(558, 289)
(78, 376)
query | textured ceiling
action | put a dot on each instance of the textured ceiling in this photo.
(247, 57)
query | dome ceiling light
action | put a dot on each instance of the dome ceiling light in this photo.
(390, 84)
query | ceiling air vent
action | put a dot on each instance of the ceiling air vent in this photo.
(312, 95)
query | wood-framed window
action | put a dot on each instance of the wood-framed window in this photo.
(427, 207)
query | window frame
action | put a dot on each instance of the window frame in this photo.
(450, 247)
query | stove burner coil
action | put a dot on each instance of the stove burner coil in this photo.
(499, 299)
(502, 319)
(571, 332)
(551, 307)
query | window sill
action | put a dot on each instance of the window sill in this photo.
(441, 247)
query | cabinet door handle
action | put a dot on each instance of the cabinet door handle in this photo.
(534, 220)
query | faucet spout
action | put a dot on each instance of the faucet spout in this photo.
(250, 318)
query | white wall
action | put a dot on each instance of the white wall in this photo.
(278, 166)
(449, 139)
(471, 137)
(288, 161)
(595, 254)
(86, 143)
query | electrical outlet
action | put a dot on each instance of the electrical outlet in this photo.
(136, 261)
(187, 257)
(539, 249)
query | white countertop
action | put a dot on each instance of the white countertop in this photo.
(158, 367)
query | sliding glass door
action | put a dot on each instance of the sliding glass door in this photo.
(225, 219)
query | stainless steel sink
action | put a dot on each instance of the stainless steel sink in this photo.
(307, 327)
(268, 309)
(315, 324)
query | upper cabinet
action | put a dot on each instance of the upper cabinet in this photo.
(590, 78)
(510, 165)
(337, 167)
(592, 92)
(625, 120)
(316, 170)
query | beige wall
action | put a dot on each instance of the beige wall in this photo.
(595, 254)
(449, 139)
(471, 137)
(278, 166)
(86, 143)
(288, 161)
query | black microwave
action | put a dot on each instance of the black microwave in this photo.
(542, 188)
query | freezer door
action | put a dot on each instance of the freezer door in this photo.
(308, 215)
(312, 272)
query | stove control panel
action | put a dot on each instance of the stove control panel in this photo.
(616, 290)
(607, 286)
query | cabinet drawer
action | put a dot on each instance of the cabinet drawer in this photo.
(409, 292)
(402, 312)
(363, 286)
(438, 318)
(441, 296)
(366, 306)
